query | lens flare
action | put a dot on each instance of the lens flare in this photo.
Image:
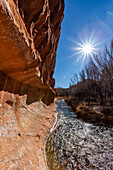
(110, 13)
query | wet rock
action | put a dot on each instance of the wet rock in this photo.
(87, 162)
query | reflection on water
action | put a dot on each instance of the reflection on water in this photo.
(75, 144)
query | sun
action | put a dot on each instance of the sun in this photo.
(87, 48)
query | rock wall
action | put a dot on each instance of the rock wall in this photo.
(29, 35)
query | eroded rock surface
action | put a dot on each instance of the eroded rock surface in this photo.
(23, 131)
(29, 35)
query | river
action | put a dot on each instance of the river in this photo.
(74, 144)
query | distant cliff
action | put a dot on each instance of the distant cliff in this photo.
(29, 35)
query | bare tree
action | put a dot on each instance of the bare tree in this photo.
(82, 75)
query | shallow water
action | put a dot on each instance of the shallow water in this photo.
(74, 144)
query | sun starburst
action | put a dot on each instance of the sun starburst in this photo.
(85, 49)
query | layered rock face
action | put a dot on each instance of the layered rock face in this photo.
(29, 35)
(28, 41)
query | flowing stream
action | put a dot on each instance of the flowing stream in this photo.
(74, 144)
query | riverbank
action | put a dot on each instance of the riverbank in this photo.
(93, 111)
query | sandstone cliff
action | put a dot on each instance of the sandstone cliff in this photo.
(29, 35)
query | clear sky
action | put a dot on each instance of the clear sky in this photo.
(81, 19)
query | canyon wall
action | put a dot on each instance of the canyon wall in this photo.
(29, 35)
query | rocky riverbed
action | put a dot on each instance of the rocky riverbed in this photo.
(74, 144)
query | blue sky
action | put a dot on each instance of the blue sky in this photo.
(81, 19)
